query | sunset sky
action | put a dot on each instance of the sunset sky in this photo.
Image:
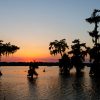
(33, 24)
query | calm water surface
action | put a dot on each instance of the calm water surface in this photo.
(14, 85)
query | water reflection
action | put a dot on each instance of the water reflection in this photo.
(49, 86)
(95, 88)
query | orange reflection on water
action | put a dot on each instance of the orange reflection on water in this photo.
(22, 70)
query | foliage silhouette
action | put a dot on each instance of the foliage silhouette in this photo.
(7, 49)
(78, 54)
(58, 47)
(95, 50)
(94, 19)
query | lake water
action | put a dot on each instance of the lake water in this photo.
(14, 85)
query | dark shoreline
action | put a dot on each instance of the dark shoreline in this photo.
(38, 63)
(28, 63)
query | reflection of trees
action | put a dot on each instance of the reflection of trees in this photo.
(78, 88)
(7, 48)
(32, 89)
(95, 50)
(95, 88)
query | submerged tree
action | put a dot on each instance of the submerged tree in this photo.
(58, 47)
(78, 53)
(7, 48)
(95, 50)
(64, 65)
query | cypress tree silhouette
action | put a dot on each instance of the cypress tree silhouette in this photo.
(7, 49)
(58, 47)
(95, 50)
(79, 52)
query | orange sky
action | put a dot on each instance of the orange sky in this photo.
(29, 59)
(30, 55)
(33, 24)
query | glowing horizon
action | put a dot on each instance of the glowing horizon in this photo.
(29, 59)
